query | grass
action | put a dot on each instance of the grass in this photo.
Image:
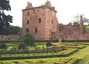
(80, 54)
(43, 61)
(85, 60)
(86, 27)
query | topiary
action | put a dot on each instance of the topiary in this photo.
(29, 39)
(3, 46)
(48, 43)
(21, 46)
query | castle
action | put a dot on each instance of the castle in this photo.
(42, 22)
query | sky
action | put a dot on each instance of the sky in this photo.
(66, 9)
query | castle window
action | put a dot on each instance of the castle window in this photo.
(52, 21)
(27, 21)
(28, 13)
(36, 30)
(27, 30)
(39, 20)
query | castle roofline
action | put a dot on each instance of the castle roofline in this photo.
(40, 7)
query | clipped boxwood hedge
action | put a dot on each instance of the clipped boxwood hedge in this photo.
(38, 55)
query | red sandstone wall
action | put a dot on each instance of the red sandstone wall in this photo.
(33, 18)
(45, 28)
(51, 24)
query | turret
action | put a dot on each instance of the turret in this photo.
(29, 5)
(48, 3)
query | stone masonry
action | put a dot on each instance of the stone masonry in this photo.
(41, 21)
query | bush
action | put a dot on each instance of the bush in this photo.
(29, 39)
(21, 46)
(48, 43)
(3, 46)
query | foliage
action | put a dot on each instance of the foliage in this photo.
(5, 20)
(48, 43)
(21, 46)
(41, 55)
(14, 30)
(43, 61)
(11, 30)
(75, 23)
(29, 39)
(77, 19)
(3, 46)
(86, 27)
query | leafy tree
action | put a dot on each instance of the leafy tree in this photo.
(77, 19)
(29, 39)
(75, 23)
(11, 30)
(3, 46)
(5, 20)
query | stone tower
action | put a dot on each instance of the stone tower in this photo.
(81, 24)
(40, 21)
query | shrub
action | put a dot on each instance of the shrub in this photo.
(29, 39)
(48, 43)
(21, 46)
(3, 46)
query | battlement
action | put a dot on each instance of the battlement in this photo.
(46, 5)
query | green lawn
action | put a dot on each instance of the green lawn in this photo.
(81, 53)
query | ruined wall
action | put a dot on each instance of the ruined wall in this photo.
(71, 32)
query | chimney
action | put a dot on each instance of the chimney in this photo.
(29, 5)
(81, 23)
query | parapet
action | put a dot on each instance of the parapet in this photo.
(29, 5)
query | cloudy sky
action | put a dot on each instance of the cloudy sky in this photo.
(66, 9)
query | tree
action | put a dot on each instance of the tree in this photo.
(29, 39)
(11, 30)
(76, 20)
(5, 20)
(75, 23)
